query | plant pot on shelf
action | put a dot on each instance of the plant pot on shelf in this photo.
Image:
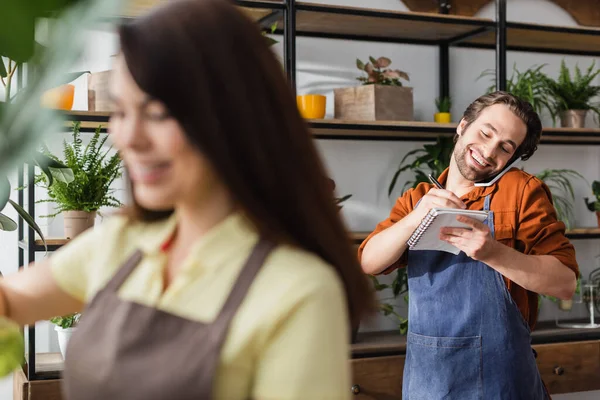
(442, 117)
(572, 118)
(77, 221)
(64, 335)
(598, 216)
(374, 103)
(565, 305)
(98, 97)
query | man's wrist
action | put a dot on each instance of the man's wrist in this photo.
(498, 252)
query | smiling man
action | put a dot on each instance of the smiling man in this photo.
(470, 314)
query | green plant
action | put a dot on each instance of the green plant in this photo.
(573, 94)
(443, 104)
(377, 75)
(529, 85)
(399, 287)
(66, 321)
(23, 122)
(432, 158)
(558, 181)
(594, 205)
(93, 173)
(270, 40)
(338, 200)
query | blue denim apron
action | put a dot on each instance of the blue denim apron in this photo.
(467, 339)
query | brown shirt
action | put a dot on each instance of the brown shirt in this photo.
(524, 219)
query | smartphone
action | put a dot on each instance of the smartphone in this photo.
(494, 179)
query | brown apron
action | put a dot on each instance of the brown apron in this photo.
(126, 350)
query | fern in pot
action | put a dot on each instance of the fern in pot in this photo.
(572, 96)
(94, 171)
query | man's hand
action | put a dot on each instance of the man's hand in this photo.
(476, 242)
(439, 198)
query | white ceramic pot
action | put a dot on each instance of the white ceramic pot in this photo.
(63, 338)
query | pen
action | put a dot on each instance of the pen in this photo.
(435, 181)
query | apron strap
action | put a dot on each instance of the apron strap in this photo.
(239, 290)
(486, 203)
(124, 271)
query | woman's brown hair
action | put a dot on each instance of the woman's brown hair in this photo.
(211, 67)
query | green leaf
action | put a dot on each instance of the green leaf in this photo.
(7, 224)
(29, 220)
(64, 175)
(3, 72)
(360, 65)
(4, 192)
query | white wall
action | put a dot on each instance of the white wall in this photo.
(364, 168)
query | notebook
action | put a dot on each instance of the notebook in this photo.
(427, 234)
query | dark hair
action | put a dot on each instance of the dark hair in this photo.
(211, 67)
(520, 108)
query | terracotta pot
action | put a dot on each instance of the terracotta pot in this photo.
(77, 222)
(573, 118)
(598, 216)
(565, 305)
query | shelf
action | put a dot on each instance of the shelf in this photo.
(428, 131)
(377, 130)
(53, 244)
(256, 10)
(337, 22)
(542, 39)
(48, 365)
(381, 343)
(90, 120)
(578, 233)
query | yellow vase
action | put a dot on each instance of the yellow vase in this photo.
(60, 98)
(311, 106)
(442, 118)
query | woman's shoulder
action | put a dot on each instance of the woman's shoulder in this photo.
(301, 271)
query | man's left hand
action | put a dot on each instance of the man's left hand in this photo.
(477, 242)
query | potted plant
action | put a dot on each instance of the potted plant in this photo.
(572, 98)
(529, 85)
(65, 326)
(381, 97)
(432, 158)
(563, 196)
(443, 105)
(595, 205)
(93, 173)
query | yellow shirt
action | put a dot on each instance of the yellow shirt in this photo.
(289, 338)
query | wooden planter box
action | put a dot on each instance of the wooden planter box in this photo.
(374, 103)
(98, 98)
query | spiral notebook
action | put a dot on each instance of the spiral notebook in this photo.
(427, 234)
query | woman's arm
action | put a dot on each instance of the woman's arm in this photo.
(32, 294)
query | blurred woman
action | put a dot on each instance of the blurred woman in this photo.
(231, 275)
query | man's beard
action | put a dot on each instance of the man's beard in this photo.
(460, 156)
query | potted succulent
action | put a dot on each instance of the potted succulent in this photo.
(93, 173)
(65, 327)
(572, 97)
(443, 105)
(595, 205)
(381, 97)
